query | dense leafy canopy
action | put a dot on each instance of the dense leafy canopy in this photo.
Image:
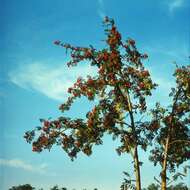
(120, 86)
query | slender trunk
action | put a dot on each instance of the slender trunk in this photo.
(167, 144)
(137, 169)
(164, 166)
(135, 156)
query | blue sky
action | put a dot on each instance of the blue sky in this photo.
(34, 79)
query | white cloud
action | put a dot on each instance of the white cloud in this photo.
(17, 163)
(101, 9)
(164, 85)
(161, 93)
(175, 4)
(174, 50)
(50, 80)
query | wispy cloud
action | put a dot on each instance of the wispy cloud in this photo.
(161, 94)
(17, 163)
(51, 81)
(101, 9)
(164, 84)
(175, 4)
(174, 50)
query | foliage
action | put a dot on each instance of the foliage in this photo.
(120, 89)
(22, 187)
(153, 187)
(29, 187)
(56, 187)
(179, 186)
(120, 73)
(173, 134)
(128, 183)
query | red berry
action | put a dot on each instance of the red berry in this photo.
(46, 123)
(127, 84)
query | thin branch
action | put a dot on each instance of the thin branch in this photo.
(141, 118)
(176, 141)
(122, 122)
(172, 180)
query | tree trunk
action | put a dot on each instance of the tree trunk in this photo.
(163, 177)
(135, 156)
(137, 169)
(164, 166)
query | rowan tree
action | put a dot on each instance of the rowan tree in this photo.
(120, 87)
(172, 128)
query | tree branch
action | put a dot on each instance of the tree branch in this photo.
(176, 141)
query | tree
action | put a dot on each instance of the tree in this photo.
(63, 188)
(22, 187)
(153, 187)
(179, 186)
(172, 123)
(127, 183)
(120, 86)
(55, 187)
